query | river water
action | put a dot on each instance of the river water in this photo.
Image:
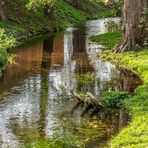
(35, 91)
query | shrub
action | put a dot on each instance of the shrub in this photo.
(6, 42)
(113, 99)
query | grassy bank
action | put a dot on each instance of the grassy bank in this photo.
(135, 135)
(108, 39)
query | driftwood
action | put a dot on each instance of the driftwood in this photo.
(88, 99)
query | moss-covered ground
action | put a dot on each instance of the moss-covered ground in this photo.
(135, 135)
(108, 39)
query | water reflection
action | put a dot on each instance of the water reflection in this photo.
(39, 101)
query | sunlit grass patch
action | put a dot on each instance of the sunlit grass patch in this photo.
(109, 40)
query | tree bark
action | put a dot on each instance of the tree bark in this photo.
(2, 11)
(134, 29)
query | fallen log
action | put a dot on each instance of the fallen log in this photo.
(88, 99)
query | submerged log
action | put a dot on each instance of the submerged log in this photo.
(88, 99)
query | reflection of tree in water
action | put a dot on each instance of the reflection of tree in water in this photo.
(128, 81)
(47, 50)
(79, 52)
(43, 105)
(118, 118)
(53, 54)
(48, 47)
(24, 126)
(27, 60)
(83, 68)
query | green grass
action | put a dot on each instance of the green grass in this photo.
(135, 135)
(97, 9)
(104, 14)
(134, 61)
(109, 40)
(67, 15)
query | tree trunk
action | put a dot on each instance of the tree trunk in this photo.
(2, 9)
(134, 29)
(76, 3)
(50, 11)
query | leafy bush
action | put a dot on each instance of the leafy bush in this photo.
(6, 42)
(118, 7)
(142, 89)
(33, 4)
(113, 99)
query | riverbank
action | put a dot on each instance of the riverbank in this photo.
(136, 133)
(24, 24)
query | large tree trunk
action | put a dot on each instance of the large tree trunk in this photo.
(2, 10)
(134, 29)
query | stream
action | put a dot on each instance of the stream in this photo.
(35, 98)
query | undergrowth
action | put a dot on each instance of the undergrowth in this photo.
(6, 42)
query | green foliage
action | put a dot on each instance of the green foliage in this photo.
(96, 9)
(113, 98)
(117, 7)
(67, 15)
(6, 42)
(3, 57)
(33, 4)
(103, 14)
(136, 62)
(141, 89)
(109, 40)
(136, 134)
